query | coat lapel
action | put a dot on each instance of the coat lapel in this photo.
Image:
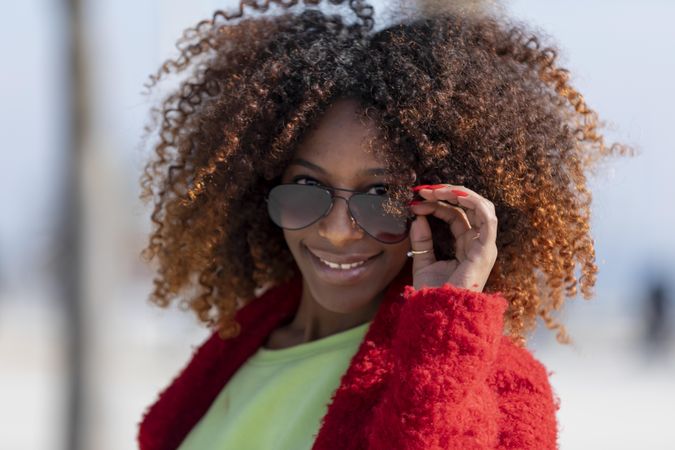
(182, 404)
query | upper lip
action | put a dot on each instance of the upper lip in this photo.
(341, 259)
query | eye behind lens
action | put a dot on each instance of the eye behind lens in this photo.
(296, 206)
(369, 211)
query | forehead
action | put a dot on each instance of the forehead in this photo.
(341, 141)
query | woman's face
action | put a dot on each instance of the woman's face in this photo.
(335, 154)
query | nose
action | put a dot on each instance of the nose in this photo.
(338, 226)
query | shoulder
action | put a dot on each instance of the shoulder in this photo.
(187, 397)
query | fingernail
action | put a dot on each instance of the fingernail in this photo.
(415, 202)
(437, 186)
(459, 193)
(421, 186)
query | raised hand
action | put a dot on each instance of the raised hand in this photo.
(472, 221)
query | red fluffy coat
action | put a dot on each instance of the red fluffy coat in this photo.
(434, 371)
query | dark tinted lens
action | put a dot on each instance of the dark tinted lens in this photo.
(369, 213)
(295, 206)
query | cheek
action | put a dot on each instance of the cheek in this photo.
(292, 238)
(397, 254)
(401, 249)
(293, 241)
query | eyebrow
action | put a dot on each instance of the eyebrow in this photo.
(302, 162)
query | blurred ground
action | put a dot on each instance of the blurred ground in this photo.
(614, 393)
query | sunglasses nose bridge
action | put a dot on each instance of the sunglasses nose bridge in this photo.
(332, 203)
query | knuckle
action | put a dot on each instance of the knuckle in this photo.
(424, 240)
(495, 250)
(491, 253)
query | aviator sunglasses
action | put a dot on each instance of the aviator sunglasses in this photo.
(295, 206)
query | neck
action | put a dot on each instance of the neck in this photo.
(312, 321)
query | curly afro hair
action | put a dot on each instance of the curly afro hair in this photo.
(473, 100)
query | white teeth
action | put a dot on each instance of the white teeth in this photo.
(341, 266)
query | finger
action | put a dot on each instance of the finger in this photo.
(480, 212)
(460, 249)
(484, 218)
(462, 243)
(454, 216)
(472, 252)
(441, 197)
(420, 239)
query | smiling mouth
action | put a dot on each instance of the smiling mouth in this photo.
(341, 273)
(341, 261)
(343, 266)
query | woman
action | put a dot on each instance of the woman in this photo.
(285, 169)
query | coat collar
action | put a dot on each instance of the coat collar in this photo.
(182, 404)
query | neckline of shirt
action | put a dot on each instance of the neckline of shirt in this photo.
(337, 340)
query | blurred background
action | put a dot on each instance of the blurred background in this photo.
(76, 327)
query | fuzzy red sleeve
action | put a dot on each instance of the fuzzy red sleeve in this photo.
(527, 403)
(443, 351)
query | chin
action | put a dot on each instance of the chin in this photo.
(348, 291)
(340, 300)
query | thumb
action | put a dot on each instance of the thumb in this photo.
(420, 240)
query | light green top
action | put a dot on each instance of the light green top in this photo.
(277, 398)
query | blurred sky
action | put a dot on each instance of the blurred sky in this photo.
(620, 54)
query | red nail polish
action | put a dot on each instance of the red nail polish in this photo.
(415, 202)
(459, 193)
(437, 186)
(420, 187)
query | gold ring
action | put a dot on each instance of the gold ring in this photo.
(417, 252)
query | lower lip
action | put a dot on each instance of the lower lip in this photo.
(340, 276)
